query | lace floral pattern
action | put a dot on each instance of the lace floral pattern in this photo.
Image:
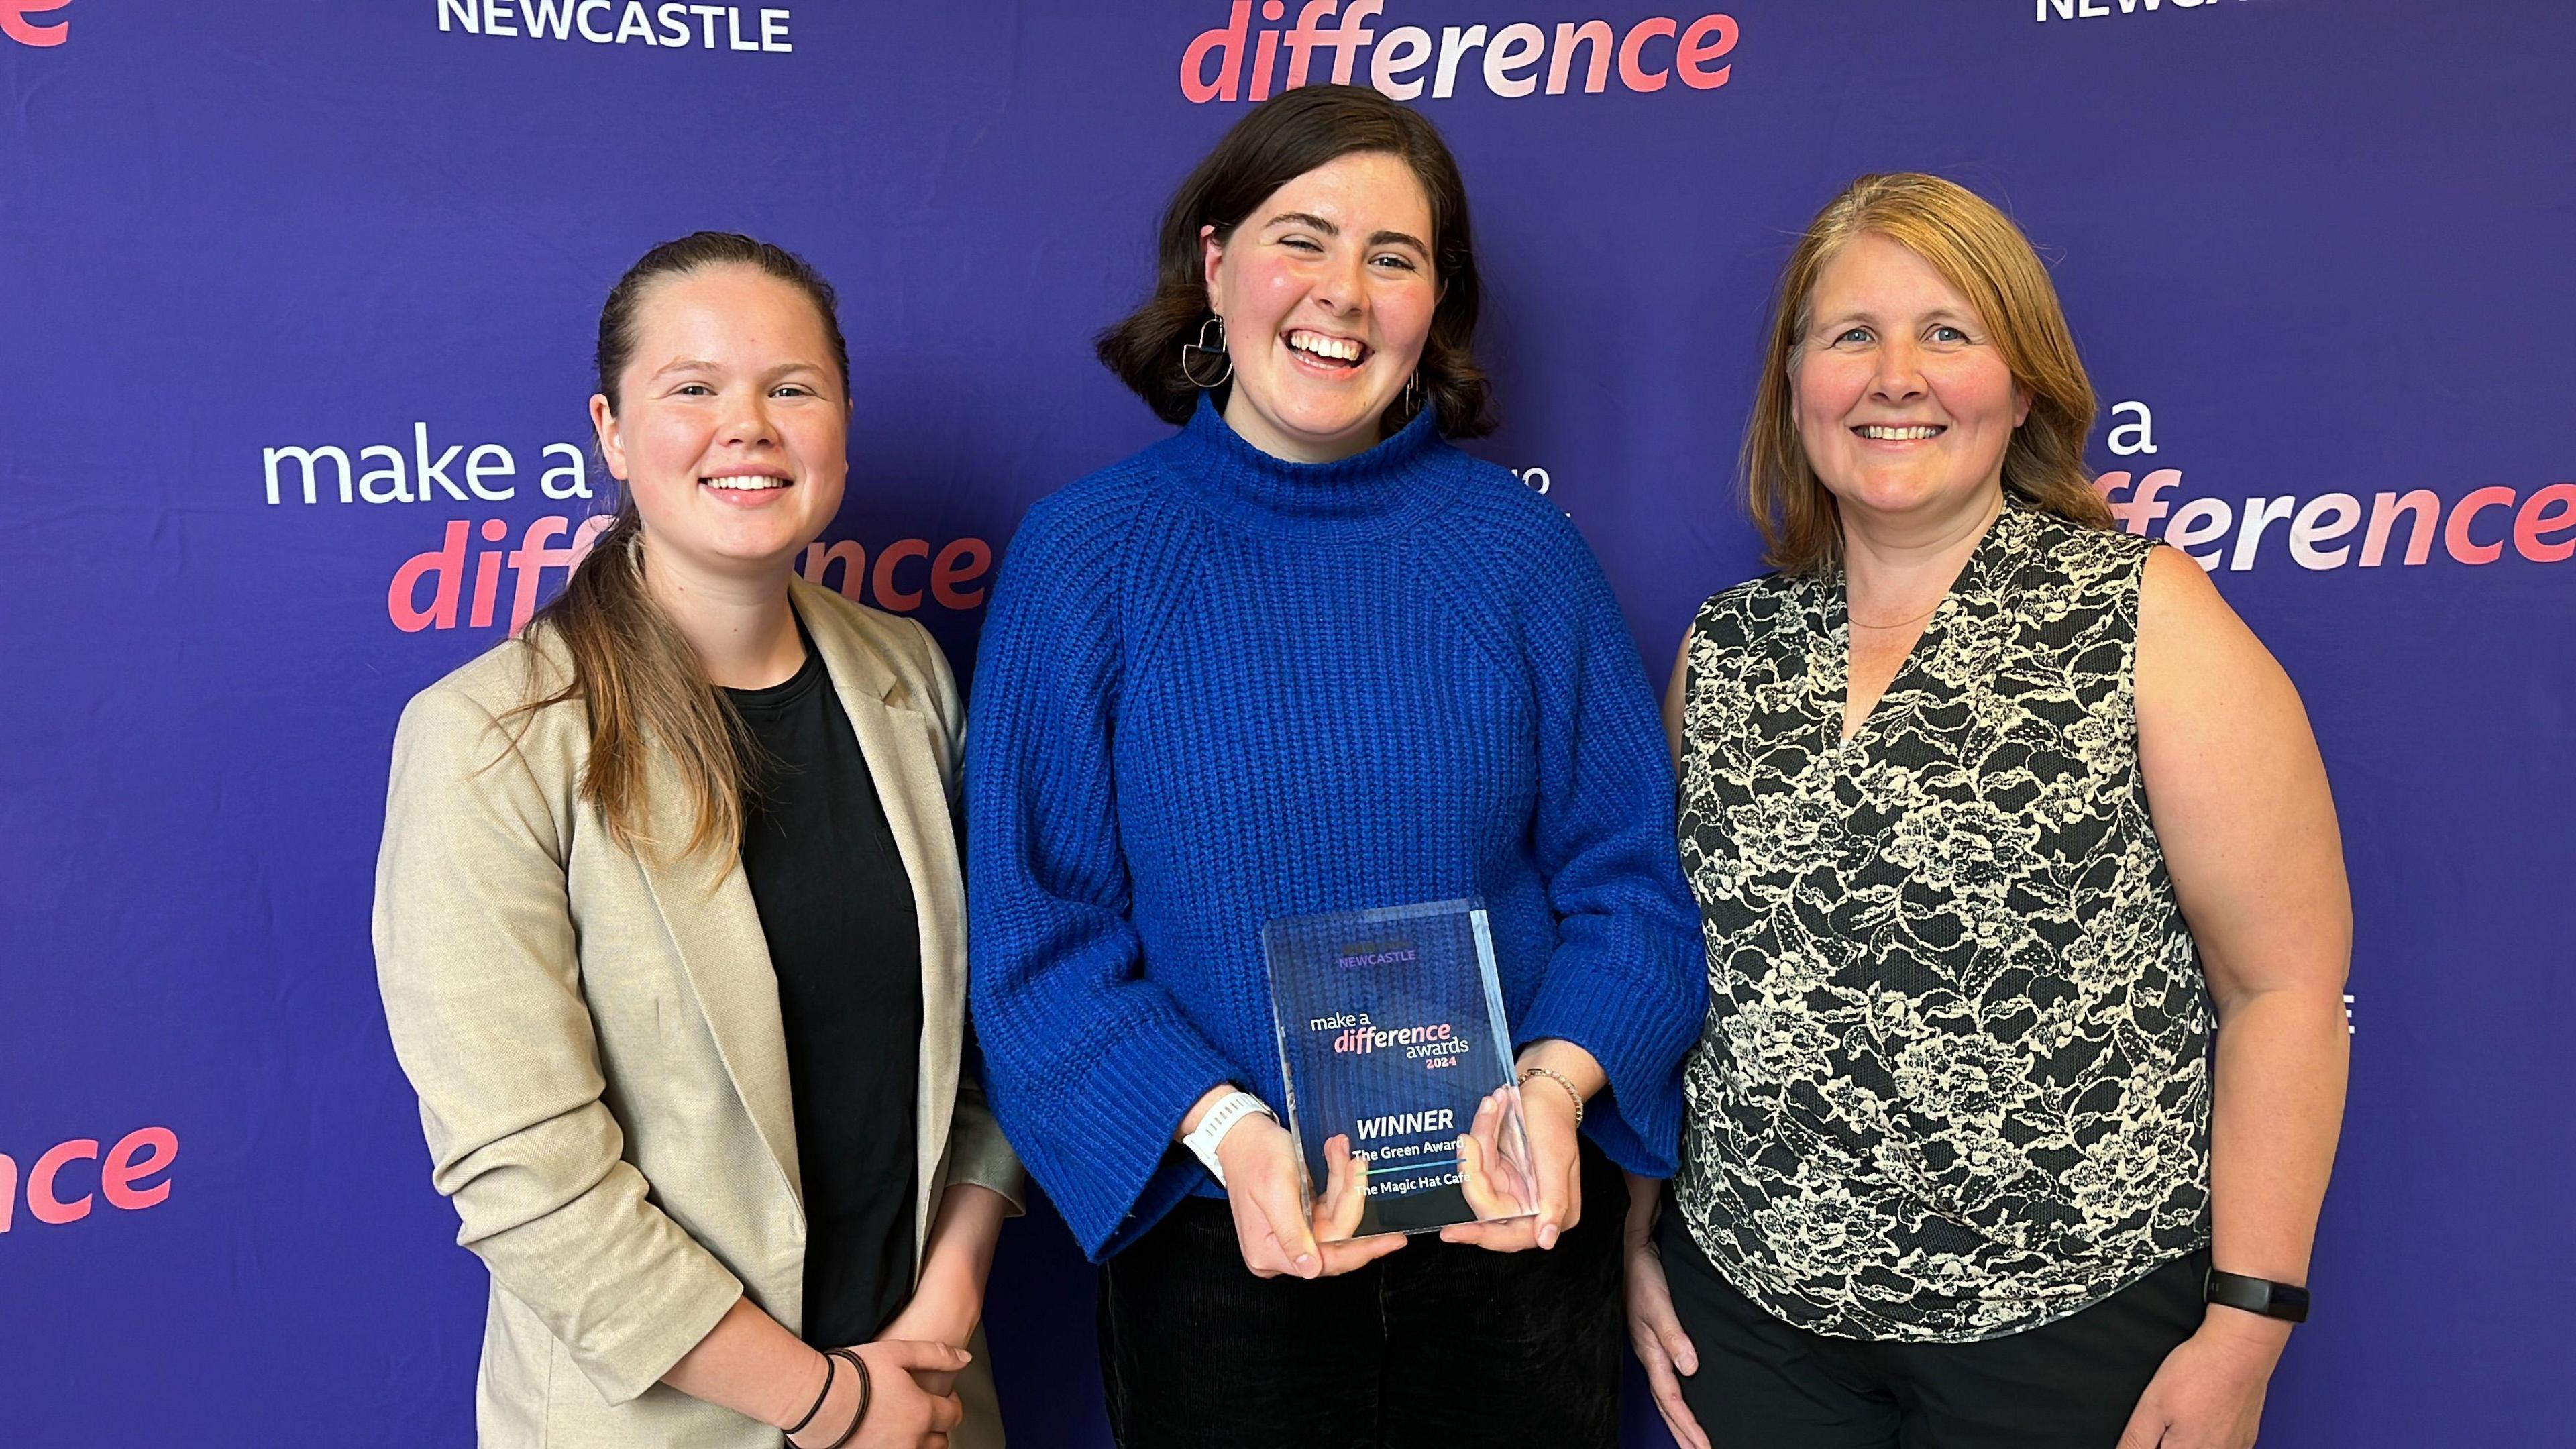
(1954, 1080)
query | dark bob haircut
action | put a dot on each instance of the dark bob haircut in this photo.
(1280, 140)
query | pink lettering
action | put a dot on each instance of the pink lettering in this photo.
(2548, 510)
(15, 25)
(122, 1171)
(41, 1198)
(2455, 534)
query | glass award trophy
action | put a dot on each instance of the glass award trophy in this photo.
(1399, 1069)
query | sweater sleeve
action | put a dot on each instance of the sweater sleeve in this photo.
(1089, 1066)
(1628, 981)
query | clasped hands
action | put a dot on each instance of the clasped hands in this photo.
(912, 1372)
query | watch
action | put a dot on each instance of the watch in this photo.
(2284, 1301)
(1220, 1119)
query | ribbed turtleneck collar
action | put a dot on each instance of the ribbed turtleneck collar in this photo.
(1389, 484)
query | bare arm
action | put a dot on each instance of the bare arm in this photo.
(948, 1303)
(752, 1366)
(2240, 802)
(2239, 798)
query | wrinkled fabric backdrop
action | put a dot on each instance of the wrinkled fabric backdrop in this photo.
(2314, 249)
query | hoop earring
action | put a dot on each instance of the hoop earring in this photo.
(1204, 347)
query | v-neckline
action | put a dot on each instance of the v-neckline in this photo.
(1837, 637)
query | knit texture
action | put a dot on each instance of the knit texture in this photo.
(1217, 688)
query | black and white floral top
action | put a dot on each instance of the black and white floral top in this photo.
(1954, 1081)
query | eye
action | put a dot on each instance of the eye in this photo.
(1398, 260)
(1853, 335)
(1300, 243)
(694, 389)
(1947, 334)
(791, 389)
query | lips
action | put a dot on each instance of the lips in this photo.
(746, 482)
(1899, 432)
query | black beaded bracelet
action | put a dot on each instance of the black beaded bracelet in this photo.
(831, 1371)
(867, 1395)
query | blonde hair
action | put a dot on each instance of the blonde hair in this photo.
(1979, 251)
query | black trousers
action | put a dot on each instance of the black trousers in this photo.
(1437, 1343)
(2071, 1384)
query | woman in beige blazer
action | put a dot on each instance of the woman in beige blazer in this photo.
(666, 885)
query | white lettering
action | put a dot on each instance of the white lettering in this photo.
(1514, 47)
(1454, 45)
(2310, 529)
(307, 457)
(2132, 438)
(573, 468)
(1402, 52)
(427, 471)
(481, 464)
(547, 17)
(393, 469)
(2200, 521)
(2260, 514)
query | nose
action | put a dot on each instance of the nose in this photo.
(1341, 284)
(746, 422)
(1899, 377)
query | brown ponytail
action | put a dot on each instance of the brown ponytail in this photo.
(631, 666)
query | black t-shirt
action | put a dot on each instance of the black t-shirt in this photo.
(836, 909)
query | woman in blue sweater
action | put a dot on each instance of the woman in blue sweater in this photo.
(1305, 656)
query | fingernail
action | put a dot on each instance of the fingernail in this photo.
(1547, 1235)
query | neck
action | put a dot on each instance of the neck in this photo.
(1253, 427)
(1897, 566)
(741, 626)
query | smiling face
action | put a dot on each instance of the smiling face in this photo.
(1327, 294)
(1903, 404)
(731, 430)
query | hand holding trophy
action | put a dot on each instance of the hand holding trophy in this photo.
(1394, 1051)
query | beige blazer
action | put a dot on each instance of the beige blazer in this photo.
(596, 1043)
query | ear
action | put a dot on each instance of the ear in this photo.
(1211, 262)
(612, 447)
(2021, 404)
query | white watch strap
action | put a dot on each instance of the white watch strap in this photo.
(1220, 1120)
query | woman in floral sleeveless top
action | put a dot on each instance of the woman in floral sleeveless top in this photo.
(2024, 905)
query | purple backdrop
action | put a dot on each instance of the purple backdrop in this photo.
(2314, 246)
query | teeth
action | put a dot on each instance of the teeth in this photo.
(1916, 433)
(745, 484)
(1340, 348)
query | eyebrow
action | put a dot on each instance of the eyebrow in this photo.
(1942, 313)
(1376, 238)
(687, 364)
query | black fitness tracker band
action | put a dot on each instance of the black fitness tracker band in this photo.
(2258, 1295)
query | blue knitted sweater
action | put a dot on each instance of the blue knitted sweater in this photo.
(1217, 688)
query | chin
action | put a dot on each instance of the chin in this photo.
(1326, 424)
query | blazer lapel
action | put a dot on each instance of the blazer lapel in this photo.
(706, 905)
(901, 741)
